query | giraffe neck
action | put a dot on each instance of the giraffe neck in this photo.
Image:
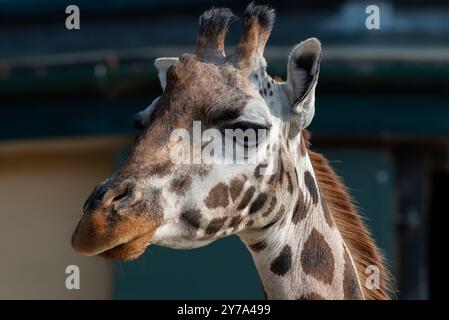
(304, 255)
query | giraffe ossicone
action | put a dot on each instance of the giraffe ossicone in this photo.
(292, 230)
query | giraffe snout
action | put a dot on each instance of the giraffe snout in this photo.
(115, 224)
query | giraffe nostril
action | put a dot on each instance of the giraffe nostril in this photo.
(117, 195)
(125, 193)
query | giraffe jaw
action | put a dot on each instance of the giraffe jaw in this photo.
(171, 236)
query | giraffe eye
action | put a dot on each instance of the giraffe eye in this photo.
(244, 125)
(250, 134)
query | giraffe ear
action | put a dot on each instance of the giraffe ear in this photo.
(143, 117)
(302, 77)
(162, 64)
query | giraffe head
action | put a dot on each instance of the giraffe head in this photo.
(153, 198)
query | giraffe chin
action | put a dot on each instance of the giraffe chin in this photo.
(128, 251)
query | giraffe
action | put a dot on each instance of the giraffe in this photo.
(298, 222)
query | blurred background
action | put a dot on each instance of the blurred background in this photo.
(67, 98)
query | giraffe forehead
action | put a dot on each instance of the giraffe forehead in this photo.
(203, 91)
(190, 74)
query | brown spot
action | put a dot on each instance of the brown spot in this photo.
(235, 222)
(300, 209)
(258, 246)
(311, 296)
(278, 175)
(282, 264)
(351, 287)
(317, 259)
(215, 225)
(311, 186)
(181, 184)
(281, 170)
(270, 207)
(259, 167)
(191, 218)
(218, 196)
(258, 203)
(246, 198)
(236, 187)
(290, 184)
(273, 177)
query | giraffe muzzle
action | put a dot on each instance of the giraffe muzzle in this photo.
(110, 228)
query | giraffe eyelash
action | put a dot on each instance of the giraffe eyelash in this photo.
(245, 125)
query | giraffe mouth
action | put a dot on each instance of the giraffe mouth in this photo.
(121, 251)
(123, 238)
(129, 250)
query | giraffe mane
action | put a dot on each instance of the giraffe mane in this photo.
(350, 224)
